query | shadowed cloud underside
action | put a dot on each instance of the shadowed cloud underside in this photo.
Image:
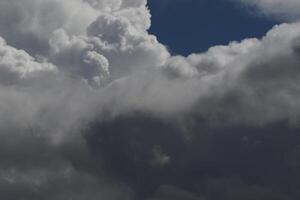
(93, 107)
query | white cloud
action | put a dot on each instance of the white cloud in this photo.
(283, 10)
(249, 82)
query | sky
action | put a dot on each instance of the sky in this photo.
(149, 100)
(217, 21)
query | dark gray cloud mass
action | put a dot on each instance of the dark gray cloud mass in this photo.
(93, 107)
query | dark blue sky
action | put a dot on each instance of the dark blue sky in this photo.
(190, 26)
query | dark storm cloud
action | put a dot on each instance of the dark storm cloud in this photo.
(94, 107)
(225, 162)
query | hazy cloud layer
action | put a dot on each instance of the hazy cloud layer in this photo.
(92, 106)
(282, 10)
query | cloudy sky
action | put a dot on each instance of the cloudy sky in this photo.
(157, 100)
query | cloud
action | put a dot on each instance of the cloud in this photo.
(282, 10)
(17, 66)
(34, 21)
(249, 82)
(94, 107)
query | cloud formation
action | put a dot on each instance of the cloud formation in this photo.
(282, 10)
(94, 107)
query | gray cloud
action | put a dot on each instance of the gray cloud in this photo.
(94, 107)
(249, 82)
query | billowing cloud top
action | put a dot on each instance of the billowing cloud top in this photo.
(92, 106)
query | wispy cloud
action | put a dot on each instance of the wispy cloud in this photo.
(282, 10)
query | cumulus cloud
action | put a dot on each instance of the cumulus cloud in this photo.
(18, 66)
(234, 83)
(94, 107)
